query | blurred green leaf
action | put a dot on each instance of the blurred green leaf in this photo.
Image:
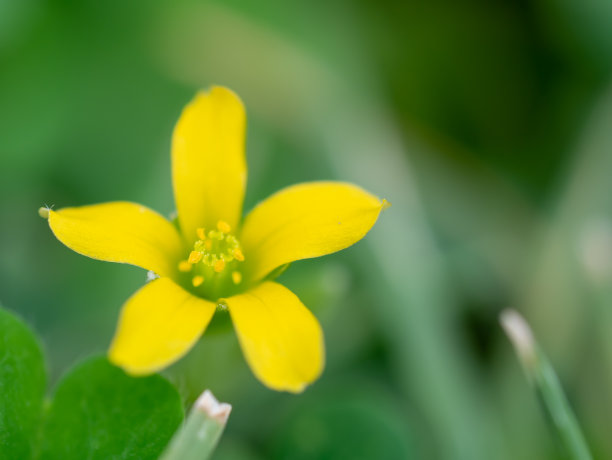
(99, 412)
(22, 387)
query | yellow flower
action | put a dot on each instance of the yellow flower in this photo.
(211, 258)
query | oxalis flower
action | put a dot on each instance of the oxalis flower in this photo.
(208, 258)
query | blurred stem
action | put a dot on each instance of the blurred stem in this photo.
(198, 437)
(546, 383)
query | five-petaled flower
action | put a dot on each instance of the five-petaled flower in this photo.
(209, 258)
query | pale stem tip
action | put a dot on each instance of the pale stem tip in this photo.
(519, 333)
(43, 212)
(208, 404)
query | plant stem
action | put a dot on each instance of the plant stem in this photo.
(198, 437)
(546, 383)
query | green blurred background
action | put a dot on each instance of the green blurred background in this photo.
(487, 124)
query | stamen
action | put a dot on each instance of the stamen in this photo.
(197, 280)
(224, 226)
(219, 252)
(195, 257)
(184, 266)
(219, 265)
(385, 204)
(238, 255)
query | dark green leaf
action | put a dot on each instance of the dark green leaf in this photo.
(99, 412)
(22, 387)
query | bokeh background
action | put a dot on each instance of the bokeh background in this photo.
(486, 123)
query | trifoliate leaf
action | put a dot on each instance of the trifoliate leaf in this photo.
(22, 387)
(99, 412)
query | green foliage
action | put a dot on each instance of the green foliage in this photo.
(97, 411)
(22, 387)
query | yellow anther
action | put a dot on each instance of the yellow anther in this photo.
(236, 277)
(201, 233)
(219, 265)
(224, 226)
(195, 257)
(385, 204)
(197, 280)
(238, 255)
(184, 266)
(208, 245)
(43, 212)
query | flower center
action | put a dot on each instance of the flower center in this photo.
(212, 267)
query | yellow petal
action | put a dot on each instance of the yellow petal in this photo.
(120, 232)
(303, 221)
(281, 340)
(157, 326)
(208, 162)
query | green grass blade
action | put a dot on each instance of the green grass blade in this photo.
(546, 383)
